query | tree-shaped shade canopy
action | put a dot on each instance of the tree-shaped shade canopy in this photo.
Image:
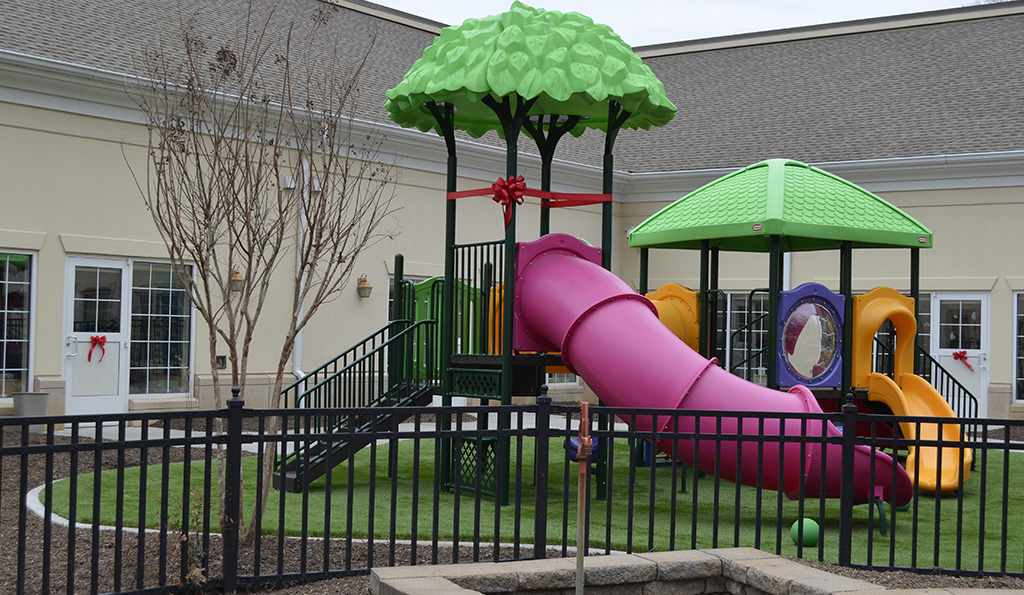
(810, 209)
(571, 65)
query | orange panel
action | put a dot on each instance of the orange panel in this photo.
(869, 311)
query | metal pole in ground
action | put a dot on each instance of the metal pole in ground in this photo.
(583, 456)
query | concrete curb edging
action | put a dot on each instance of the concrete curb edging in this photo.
(736, 571)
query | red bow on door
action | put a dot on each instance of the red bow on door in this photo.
(961, 356)
(98, 341)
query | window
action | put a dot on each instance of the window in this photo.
(97, 300)
(15, 303)
(960, 324)
(161, 331)
(562, 378)
(1018, 352)
(746, 334)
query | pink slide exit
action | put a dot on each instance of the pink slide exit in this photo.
(611, 336)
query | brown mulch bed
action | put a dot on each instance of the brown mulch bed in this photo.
(103, 568)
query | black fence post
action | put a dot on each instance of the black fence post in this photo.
(846, 491)
(232, 491)
(540, 519)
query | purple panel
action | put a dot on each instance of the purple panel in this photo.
(811, 337)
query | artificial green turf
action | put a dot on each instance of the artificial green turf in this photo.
(746, 517)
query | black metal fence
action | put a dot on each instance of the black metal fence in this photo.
(386, 504)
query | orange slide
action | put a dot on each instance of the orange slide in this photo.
(914, 396)
(931, 468)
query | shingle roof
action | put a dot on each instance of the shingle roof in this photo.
(944, 88)
(112, 34)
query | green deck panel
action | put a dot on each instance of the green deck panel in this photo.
(810, 208)
(570, 64)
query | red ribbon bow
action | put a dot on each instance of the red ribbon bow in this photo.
(507, 191)
(961, 356)
(98, 341)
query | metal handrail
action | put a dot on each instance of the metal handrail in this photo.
(959, 397)
(748, 328)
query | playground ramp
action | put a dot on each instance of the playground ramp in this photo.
(612, 337)
(931, 468)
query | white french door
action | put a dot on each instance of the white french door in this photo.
(96, 335)
(960, 340)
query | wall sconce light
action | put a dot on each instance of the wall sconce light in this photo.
(363, 287)
(237, 281)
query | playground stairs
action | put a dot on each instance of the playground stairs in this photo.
(388, 371)
(343, 439)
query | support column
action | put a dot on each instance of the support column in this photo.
(846, 288)
(774, 287)
(704, 298)
(915, 293)
(644, 265)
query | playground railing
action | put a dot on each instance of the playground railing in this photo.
(479, 273)
(960, 399)
(386, 504)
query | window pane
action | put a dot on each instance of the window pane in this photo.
(158, 329)
(177, 381)
(85, 283)
(158, 355)
(18, 267)
(108, 316)
(109, 284)
(177, 355)
(16, 296)
(140, 328)
(161, 276)
(139, 355)
(140, 302)
(85, 316)
(159, 302)
(16, 326)
(949, 336)
(157, 381)
(137, 381)
(14, 355)
(140, 274)
(179, 328)
(970, 311)
(179, 304)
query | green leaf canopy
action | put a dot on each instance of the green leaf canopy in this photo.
(571, 65)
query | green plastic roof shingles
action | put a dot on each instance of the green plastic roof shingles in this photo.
(810, 209)
(570, 64)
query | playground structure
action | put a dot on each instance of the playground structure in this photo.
(505, 310)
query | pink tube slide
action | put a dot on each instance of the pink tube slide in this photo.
(611, 336)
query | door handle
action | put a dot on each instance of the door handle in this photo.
(983, 360)
(71, 341)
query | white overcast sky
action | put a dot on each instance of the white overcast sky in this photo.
(646, 22)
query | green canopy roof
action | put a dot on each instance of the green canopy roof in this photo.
(571, 65)
(809, 208)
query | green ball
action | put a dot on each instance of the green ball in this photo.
(810, 532)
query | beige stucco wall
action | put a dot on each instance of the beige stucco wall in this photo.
(72, 193)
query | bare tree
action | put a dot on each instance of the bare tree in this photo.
(254, 158)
